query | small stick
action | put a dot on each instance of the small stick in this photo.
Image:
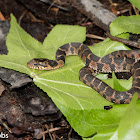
(136, 11)
(69, 134)
(94, 36)
(125, 41)
(47, 127)
(21, 17)
(5, 125)
(54, 4)
(43, 135)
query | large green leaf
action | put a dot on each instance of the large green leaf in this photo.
(127, 129)
(124, 24)
(136, 3)
(89, 122)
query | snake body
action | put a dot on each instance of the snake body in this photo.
(118, 61)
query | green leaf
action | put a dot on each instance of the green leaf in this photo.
(129, 128)
(118, 86)
(21, 48)
(136, 3)
(124, 24)
(104, 135)
(88, 122)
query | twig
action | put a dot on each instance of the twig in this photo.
(69, 134)
(113, 4)
(52, 129)
(54, 4)
(53, 133)
(5, 125)
(125, 41)
(21, 17)
(94, 36)
(34, 19)
(136, 11)
(122, 11)
(130, 11)
(43, 134)
(48, 132)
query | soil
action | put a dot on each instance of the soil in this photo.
(38, 18)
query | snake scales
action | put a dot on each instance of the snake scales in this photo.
(118, 61)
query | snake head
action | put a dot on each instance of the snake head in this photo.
(40, 64)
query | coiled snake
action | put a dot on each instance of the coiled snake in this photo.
(118, 61)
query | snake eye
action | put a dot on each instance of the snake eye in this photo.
(35, 64)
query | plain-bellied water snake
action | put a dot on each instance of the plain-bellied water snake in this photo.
(118, 61)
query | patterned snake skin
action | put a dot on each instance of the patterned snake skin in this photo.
(118, 61)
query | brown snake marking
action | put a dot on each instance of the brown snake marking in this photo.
(118, 61)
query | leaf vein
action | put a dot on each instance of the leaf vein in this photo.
(61, 92)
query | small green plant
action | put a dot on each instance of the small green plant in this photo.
(82, 106)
